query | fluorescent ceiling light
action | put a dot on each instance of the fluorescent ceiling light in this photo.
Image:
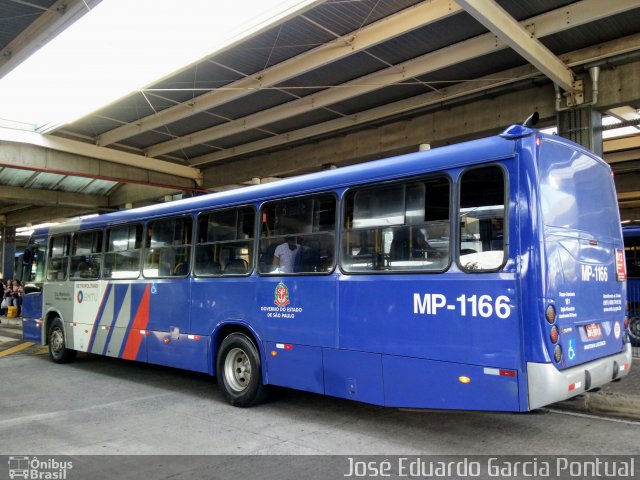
(122, 46)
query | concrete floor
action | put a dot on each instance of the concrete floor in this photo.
(99, 405)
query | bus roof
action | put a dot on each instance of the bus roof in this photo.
(438, 159)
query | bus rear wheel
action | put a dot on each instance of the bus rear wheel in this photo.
(58, 350)
(634, 330)
(239, 371)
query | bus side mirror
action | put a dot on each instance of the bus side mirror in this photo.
(27, 257)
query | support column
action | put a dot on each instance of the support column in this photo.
(583, 126)
(8, 243)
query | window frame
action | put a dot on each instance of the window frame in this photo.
(107, 239)
(506, 220)
(50, 256)
(101, 253)
(196, 243)
(144, 248)
(399, 181)
(335, 232)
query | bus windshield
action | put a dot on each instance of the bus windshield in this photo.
(568, 180)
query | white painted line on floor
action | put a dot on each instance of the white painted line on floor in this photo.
(595, 417)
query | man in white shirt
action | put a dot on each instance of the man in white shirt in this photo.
(285, 255)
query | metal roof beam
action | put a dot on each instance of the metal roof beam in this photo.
(622, 143)
(545, 24)
(392, 26)
(514, 34)
(100, 153)
(36, 196)
(479, 114)
(586, 55)
(48, 25)
(42, 214)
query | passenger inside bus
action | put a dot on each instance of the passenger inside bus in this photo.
(285, 255)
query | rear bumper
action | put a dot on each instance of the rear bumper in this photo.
(546, 384)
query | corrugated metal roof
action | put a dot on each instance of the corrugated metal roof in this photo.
(342, 18)
(283, 43)
(14, 177)
(47, 181)
(315, 27)
(616, 26)
(15, 17)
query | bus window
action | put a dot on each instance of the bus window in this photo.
(401, 227)
(168, 248)
(225, 242)
(58, 258)
(86, 255)
(33, 264)
(306, 226)
(481, 243)
(122, 257)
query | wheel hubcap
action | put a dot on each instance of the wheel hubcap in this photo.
(634, 328)
(57, 341)
(237, 369)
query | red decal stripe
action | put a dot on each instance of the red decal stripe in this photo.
(139, 323)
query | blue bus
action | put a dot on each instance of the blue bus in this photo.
(487, 275)
(631, 235)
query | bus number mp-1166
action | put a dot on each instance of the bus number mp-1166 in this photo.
(473, 305)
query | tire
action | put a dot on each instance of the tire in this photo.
(239, 371)
(58, 350)
(634, 330)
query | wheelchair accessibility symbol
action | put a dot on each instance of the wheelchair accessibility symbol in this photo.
(571, 352)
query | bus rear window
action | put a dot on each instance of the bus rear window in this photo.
(576, 191)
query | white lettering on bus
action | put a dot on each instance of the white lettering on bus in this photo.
(474, 305)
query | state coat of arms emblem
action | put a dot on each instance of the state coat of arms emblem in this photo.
(281, 295)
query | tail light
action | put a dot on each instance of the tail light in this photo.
(557, 353)
(554, 334)
(550, 313)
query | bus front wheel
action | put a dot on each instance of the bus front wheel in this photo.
(239, 371)
(58, 350)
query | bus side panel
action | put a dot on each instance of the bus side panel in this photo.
(298, 309)
(189, 352)
(453, 317)
(353, 375)
(417, 383)
(450, 325)
(58, 297)
(295, 366)
(298, 316)
(31, 317)
(31, 330)
(169, 304)
(219, 300)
